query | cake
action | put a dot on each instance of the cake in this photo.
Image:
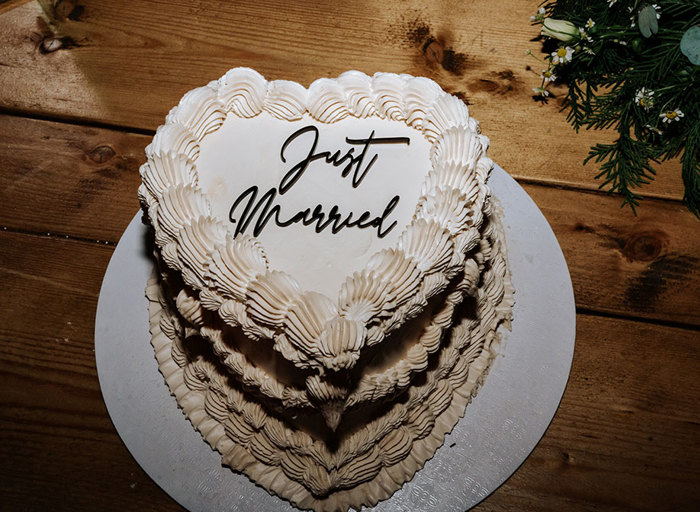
(330, 276)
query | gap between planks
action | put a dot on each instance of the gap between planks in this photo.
(76, 121)
(59, 236)
(617, 316)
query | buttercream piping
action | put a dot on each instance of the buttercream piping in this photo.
(421, 422)
(173, 138)
(326, 101)
(199, 110)
(358, 93)
(409, 274)
(388, 95)
(419, 93)
(285, 100)
(235, 265)
(242, 89)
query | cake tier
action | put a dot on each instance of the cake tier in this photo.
(377, 377)
(229, 273)
(373, 456)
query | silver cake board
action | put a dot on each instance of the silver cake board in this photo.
(501, 427)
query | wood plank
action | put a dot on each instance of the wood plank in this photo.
(127, 63)
(82, 181)
(68, 179)
(6, 5)
(625, 437)
(646, 266)
(57, 443)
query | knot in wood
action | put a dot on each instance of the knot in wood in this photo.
(101, 154)
(434, 51)
(644, 246)
(50, 45)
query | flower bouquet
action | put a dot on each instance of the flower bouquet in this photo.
(633, 67)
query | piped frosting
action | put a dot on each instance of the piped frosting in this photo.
(429, 244)
(449, 249)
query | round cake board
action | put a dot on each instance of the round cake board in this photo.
(501, 426)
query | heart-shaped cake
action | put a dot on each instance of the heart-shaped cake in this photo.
(331, 275)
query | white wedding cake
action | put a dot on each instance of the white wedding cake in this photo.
(331, 274)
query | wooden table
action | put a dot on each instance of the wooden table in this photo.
(84, 84)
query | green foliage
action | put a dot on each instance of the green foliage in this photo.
(630, 72)
(648, 24)
(690, 44)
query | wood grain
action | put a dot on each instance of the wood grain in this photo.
(625, 437)
(127, 63)
(68, 180)
(6, 5)
(81, 181)
(58, 446)
(646, 266)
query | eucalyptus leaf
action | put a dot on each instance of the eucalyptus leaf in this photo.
(690, 44)
(648, 24)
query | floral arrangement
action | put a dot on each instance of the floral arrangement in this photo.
(634, 67)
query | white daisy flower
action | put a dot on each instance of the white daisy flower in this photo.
(671, 115)
(562, 55)
(590, 23)
(653, 129)
(588, 50)
(658, 10)
(584, 35)
(644, 98)
(547, 76)
(540, 91)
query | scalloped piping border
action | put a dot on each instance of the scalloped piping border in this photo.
(190, 130)
(387, 481)
(380, 385)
